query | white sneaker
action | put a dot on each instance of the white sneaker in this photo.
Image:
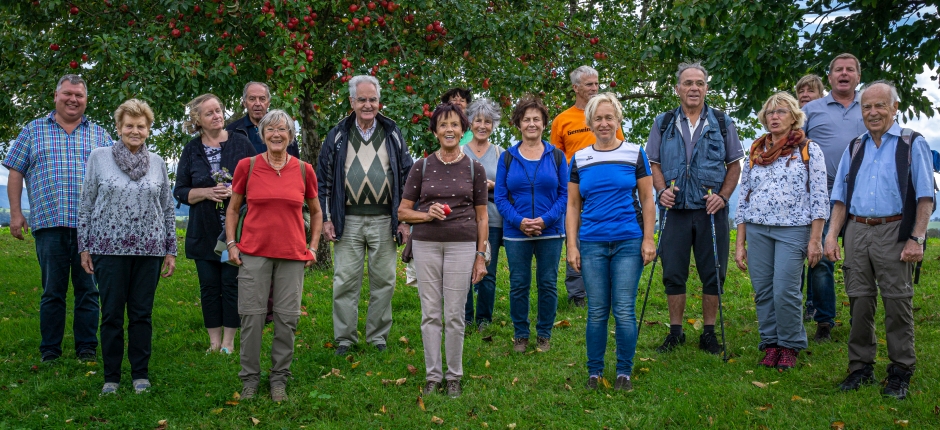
(141, 385)
(109, 388)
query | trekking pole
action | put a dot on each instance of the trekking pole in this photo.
(659, 239)
(721, 317)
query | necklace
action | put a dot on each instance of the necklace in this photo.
(439, 157)
(277, 169)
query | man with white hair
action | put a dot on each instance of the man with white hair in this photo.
(883, 196)
(256, 98)
(362, 169)
(570, 134)
(50, 154)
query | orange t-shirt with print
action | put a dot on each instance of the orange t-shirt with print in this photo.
(570, 132)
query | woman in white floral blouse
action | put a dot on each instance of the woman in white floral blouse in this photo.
(782, 208)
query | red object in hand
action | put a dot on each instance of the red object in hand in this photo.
(446, 209)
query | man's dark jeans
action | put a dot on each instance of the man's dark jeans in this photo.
(57, 251)
(822, 284)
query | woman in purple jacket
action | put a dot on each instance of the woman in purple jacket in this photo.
(531, 195)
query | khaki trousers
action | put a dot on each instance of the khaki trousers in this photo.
(872, 265)
(444, 270)
(362, 233)
(257, 276)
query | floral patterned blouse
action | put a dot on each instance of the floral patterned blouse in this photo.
(120, 216)
(778, 194)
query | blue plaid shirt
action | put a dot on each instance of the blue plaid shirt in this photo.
(53, 163)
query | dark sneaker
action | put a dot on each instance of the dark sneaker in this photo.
(578, 302)
(808, 315)
(623, 384)
(381, 347)
(708, 342)
(544, 344)
(592, 383)
(787, 359)
(248, 392)
(854, 381)
(897, 382)
(341, 350)
(87, 355)
(823, 333)
(519, 344)
(671, 342)
(453, 388)
(431, 387)
(483, 326)
(49, 356)
(771, 355)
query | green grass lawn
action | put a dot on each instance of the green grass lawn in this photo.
(684, 389)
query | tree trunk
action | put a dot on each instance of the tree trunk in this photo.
(310, 144)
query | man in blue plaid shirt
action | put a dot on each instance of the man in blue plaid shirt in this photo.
(50, 155)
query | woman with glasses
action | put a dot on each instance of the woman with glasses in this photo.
(782, 207)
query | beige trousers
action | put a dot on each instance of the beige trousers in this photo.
(256, 277)
(444, 270)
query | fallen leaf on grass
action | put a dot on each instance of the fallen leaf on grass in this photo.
(484, 425)
(403, 340)
(409, 351)
(837, 425)
(493, 408)
(369, 373)
(235, 396)
(383, 409)
(570, 364)
(328, 345)
(749, 372)
(437, 420)
(161, 425)
(218, 411)
(647, 359)
(232, 403)
(90, 373)
(588, 411)
(420, 403)
(399, 381)
(604, 382)
(481, 377)
(511, 425)
(349, 358)
(765, 407)
(514, 380)
(354, 365)
(412, 370)
(651, 323)
(255, 421)
(902, 423)
(645, 370)
(698, 325)
(567, 387)
(759, 384)
(563, 323)
(936, 410)
(800, 399)
(91, 363)
(68, 421)
(334, 372)
(487, 364)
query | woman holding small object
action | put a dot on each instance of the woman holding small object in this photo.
(203, 179)
(449, 243)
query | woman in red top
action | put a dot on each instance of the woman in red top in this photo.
(272, 250)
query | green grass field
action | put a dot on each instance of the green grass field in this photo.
(685, 389)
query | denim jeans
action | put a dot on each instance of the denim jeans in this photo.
(822, 284)
(486, 289)
(519, 255)
(611, 273)
(57, 251)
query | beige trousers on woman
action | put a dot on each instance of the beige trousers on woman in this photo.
(444, 270)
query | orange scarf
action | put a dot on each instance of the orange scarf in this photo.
(762, 155)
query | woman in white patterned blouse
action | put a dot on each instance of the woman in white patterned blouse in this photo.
(782, 209)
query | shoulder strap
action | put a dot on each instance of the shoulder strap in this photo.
(507, 160)
(804, 154)
(558, 156)
(667, 119)
(424, 165)
(854, 145)
(251, 168)
(722, 126)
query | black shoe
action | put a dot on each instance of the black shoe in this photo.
(808, 315)
(87, 355)
(578, 302)
(341, 350)
(49, 356)
(898, 380)
(381, 347)
(708, 342)
(623, 384)
(671, 342)
(856, 379)
(823, 333)
(592, 383)
(431, 387)
(453, 389)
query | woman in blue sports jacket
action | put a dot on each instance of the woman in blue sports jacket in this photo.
(531, 195)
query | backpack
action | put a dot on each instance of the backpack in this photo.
(669, 117)
(507, 160)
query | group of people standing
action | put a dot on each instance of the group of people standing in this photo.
(106, 208)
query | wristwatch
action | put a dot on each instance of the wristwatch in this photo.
(920, 240)
(485, 256)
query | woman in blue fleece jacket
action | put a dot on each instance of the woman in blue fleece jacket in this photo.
(531, 195)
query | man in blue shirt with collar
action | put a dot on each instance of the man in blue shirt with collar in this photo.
(832, 122)
(256, 98)
(883, 195)
(50, 154)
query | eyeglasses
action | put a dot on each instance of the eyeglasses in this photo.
(778, 112)
(363, 100)
(270, 130)
(879, 106)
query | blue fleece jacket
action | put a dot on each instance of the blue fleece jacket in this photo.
(545, 195)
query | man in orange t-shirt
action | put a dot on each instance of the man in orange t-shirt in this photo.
(570, 134)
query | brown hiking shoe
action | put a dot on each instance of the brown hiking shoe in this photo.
(544, 344)
(453, 388)
(519, 344)
(431, 387)
(823, 333)
(278, 393)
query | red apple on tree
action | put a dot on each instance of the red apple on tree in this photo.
(54, 46)
(73, 64)
(73, 10)
(353, 8)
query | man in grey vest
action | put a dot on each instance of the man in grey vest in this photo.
(361, 172)
(883, 196)
(832, 122)
(694, 149)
